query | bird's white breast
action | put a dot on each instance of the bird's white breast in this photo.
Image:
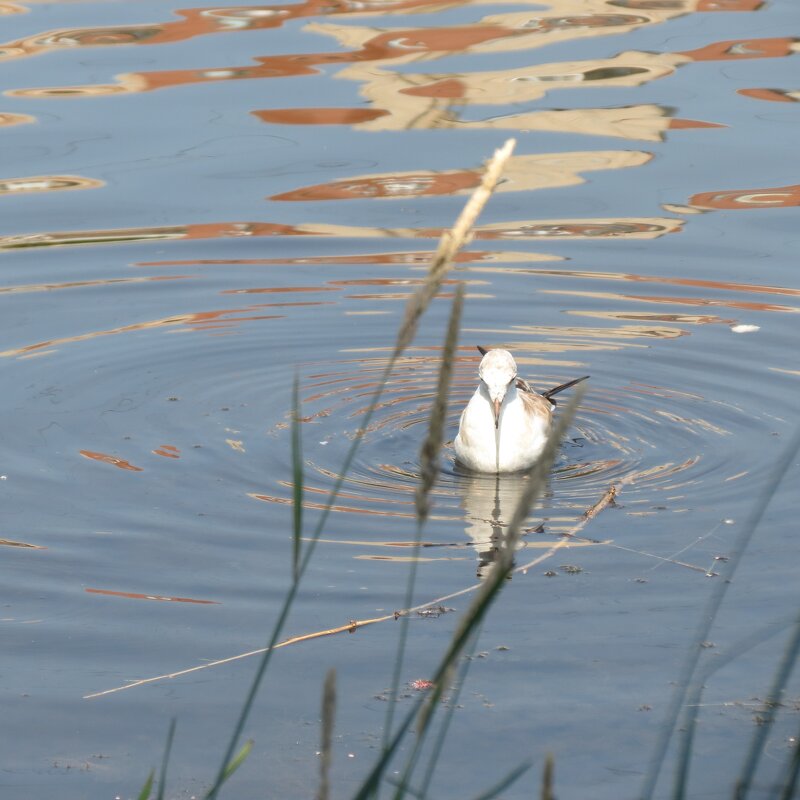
(522, 435)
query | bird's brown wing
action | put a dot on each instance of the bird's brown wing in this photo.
(536, 405)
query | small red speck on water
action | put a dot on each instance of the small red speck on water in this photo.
(421, 685)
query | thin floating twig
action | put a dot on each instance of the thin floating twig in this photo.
(12, 543)
(351, 627)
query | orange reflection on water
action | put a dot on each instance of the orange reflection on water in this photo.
(737, 49)
(108, 459)
(780, 197)
(167, 451)
(772, 95)
(319, 116)
(138, 596)
(281, 289)
(522, 173)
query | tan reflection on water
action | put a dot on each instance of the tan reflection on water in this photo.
(8, 119)
(49, 287)
(623, 227)
(511, 31)
(645, 122)
(47, 183)
(688, 301)
(418, 100)
(410, 258)
(682, 319)
(567, 339)
(201, 320)
(522, 173)
(727, 286)
(519, 31)
(198, 22)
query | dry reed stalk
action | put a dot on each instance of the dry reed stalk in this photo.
(449, 245)
(353, 625)
(431, 447)
(418, 303)
(607, 499)
(12, 543)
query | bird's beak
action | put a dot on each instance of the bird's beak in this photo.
(497, 404)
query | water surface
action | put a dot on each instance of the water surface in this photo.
(199, 204)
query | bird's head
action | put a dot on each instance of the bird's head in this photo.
(498, 371)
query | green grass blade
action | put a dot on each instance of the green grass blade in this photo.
(237, 760)
(497, 577)
(144, 794)
(372, 782)
(441, 734)
(297, 481)
(416, 306)
(509, 779)
(547, 778)
(695, 692)
(432, 446)
(477, 610)
(429, 471)
(326, 745)
(704, 627)
(162, 776)
(792, 772)
(782, 674)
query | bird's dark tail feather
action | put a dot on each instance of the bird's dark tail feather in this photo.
(568, 385)
(482, 350)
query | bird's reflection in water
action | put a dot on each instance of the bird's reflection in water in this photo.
(488, 502)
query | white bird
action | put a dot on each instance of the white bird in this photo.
(505, 425)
